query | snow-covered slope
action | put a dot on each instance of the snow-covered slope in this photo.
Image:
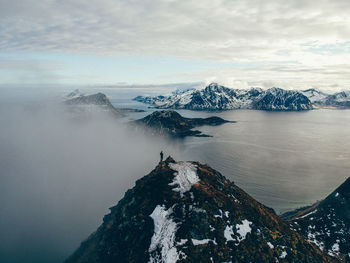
(340, 99)
(314, 95)
(327, 223)
(319, 98)
(216, 97)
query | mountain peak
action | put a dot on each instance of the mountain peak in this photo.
(188, 212)
(100, 102)
(214, 87)
(75, 93)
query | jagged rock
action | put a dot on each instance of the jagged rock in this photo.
(188, 212)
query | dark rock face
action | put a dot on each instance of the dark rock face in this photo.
(327, 223)
(216, 97)
(173, 124)
(188, 212)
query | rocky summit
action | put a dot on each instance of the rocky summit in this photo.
(327, 223)
(188, 212)
(167, 122)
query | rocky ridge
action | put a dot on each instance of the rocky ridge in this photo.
(188, 212)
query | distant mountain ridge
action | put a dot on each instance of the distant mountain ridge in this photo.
(189, 212)
(216, 97)
(321, 99)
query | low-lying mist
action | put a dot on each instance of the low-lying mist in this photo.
(60, 174)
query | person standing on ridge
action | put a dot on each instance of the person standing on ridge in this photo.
(161, 156)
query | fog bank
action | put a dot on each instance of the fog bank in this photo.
(60, 174)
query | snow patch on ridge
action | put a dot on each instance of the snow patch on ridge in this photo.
(228, 232)
(185, 176)
(197, 242)
(243, 229)
(163, 237)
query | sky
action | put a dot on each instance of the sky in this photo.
(294, 44)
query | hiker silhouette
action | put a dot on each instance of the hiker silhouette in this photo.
(161, 156)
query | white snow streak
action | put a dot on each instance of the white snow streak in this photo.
(197, 242)
(270, 245)
(283, 254)
(312, 212)
(164, 236)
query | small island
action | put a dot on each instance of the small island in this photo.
(171, 123)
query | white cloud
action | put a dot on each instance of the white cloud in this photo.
(303, 34)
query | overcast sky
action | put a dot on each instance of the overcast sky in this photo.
(291, 44)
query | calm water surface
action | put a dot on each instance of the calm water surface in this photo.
(283, 159)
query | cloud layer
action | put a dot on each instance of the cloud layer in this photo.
(278, 38)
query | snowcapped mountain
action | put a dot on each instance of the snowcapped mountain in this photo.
(167, 122)
(327, 223)
(188, 212)
(314, 95)
(319, 98)
(340, 99)
(216, 97)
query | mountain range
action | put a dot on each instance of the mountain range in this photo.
(215, 97)
(189, 212)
